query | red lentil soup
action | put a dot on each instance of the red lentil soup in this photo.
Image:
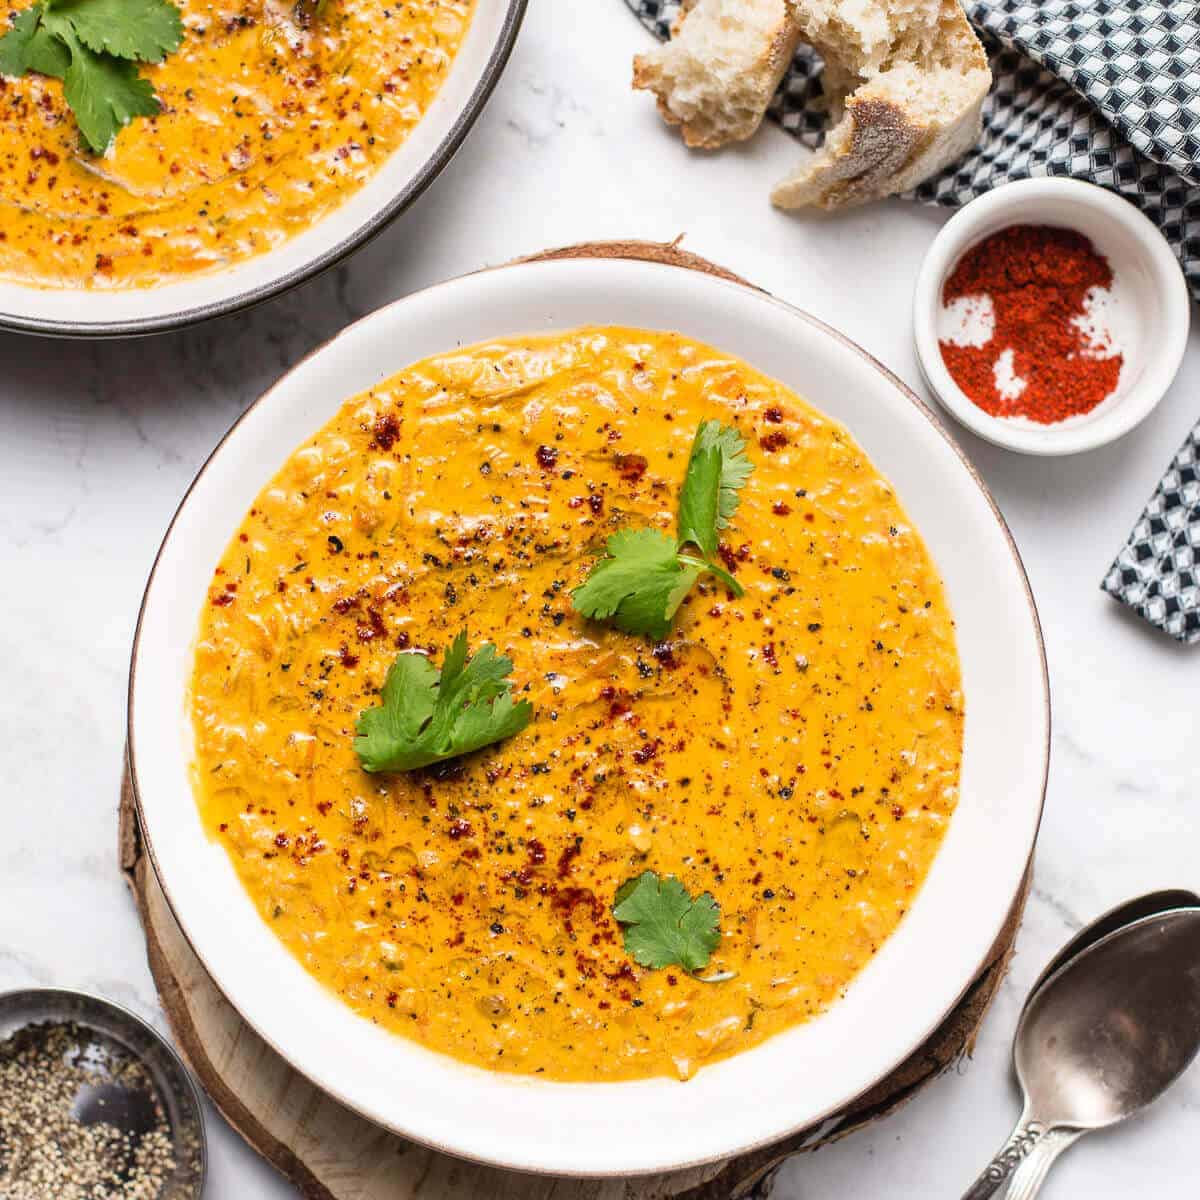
(795, 752)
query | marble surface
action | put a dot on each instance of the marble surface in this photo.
(99, 441)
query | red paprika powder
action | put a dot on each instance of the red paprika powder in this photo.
(1037, 278)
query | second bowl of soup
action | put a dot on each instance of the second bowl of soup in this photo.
(269, 141)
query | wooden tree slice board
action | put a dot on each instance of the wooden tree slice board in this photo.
(331, 1153)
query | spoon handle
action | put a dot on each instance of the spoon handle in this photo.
(1027, 1179)
(1017, 1171)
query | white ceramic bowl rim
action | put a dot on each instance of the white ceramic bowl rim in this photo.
(364, 214)
(796, 1078)
(1027, 201)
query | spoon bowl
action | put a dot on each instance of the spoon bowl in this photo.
(1113, 1028)
(1124, 914)
(1110, 1025)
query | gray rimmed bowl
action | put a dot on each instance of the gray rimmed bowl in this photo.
(85, 313)
(118, 1034)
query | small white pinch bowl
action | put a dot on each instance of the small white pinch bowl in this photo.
(1149, 310)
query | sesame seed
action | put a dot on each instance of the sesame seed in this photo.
(45, 1152)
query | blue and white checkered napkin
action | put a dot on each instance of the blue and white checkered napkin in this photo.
(1103, 90)
(1157, 572)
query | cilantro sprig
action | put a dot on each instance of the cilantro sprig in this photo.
(94, 47)
(663, 925)
(427, 716)
(717, 470)
(645, 574)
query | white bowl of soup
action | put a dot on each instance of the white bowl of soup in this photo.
(288, 136)
(846, 761)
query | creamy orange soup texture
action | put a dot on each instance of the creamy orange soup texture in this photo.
(795, 752)
(269, 121)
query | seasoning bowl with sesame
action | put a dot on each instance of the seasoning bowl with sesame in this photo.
(1050, 316)
(94, 1105)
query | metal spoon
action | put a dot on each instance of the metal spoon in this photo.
(1116, 918)
(1098, 1041)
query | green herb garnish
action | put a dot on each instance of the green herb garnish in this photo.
(639, 583)
(663, 925)
(645, 574)
(94, 47)
(717, 470)
(428, 716)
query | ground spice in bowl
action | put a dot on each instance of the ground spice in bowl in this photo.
(1033, 292)
(46, 1153)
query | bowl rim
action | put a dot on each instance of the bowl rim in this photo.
(962, 231)
(368, 230)
(1043, 690)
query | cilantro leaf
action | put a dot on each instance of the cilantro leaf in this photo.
(407, 698)
(139, 30)
(15, 43)
(664, 925)
(47, 55)
(717, 470)
(428, 716)
(29, 46)
(638, 585)
(308, 11)
(644, 576)
(105, 94)
(92, 46)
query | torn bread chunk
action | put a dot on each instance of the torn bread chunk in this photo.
(906, 82)
(717, 74)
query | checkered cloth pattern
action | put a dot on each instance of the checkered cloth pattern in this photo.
(1157, 572)
(1103, 90)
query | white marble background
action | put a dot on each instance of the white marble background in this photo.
(99, 441)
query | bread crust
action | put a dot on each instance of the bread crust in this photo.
(889, 138)
(715, 79)
(869, 146)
